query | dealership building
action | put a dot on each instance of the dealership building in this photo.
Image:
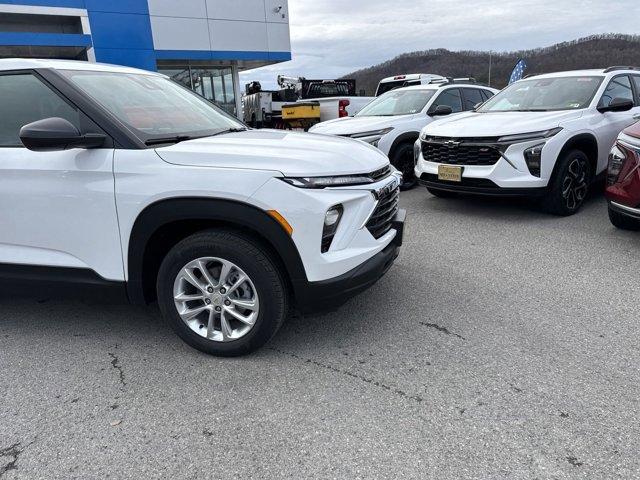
(203, 44)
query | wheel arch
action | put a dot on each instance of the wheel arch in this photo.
(585, 142)
(161, 225)
(407, 137)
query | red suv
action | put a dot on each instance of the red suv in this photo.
(623, 180)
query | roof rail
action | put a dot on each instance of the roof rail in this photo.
(451, 80)
(616, 68)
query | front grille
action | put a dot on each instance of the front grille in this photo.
(382, 217)
(460, 151)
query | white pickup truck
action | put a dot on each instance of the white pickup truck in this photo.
(348, 106)
(320, 101)
(399, 81)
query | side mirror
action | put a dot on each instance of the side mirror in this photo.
(618, 105)
(440, 111)
(54, 134)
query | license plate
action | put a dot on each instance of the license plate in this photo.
(449, 174)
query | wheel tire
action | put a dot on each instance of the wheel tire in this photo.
(441, 193)
(402, 159)
(254, 261)
(623, 222)
(569, 185)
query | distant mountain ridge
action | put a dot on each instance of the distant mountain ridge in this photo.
(596, 51)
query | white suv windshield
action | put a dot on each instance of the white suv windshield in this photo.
(545, 94)
(153, 106)
(397, 102)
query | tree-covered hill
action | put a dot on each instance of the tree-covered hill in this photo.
(590, 52)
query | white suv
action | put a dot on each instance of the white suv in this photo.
(393, 121)
(132, 184)
(548, 135)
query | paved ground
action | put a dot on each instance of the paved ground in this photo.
(504, 344)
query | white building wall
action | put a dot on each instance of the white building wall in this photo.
(220, 25)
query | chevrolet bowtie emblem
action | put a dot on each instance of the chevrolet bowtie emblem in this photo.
(451, 143)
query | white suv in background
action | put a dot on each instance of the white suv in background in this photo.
(121, 181)
(393, 121)
(548, 135)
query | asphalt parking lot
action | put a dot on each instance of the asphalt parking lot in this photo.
(504, 344)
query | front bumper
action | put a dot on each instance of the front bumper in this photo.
(329, 294)
(625, 210)
(482, 174)
(478, 186)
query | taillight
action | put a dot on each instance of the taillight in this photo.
(617, 159)
(342, 108)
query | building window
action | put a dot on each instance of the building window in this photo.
(30, 23)
(180, 75)
(213, 83)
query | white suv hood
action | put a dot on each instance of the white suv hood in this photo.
(291, 153)
(497, 124)
(351, 125)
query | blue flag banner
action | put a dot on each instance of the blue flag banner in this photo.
(518, 71)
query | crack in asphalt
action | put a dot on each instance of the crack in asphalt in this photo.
(115, 363)
(444, 330)
(515, 389)
(347, 373)
(14, 452)
(574, 461)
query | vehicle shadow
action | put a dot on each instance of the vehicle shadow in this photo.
(508, 208)
(53, 324)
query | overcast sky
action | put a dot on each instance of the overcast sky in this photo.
(330, 38)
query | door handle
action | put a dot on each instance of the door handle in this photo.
(636, 116)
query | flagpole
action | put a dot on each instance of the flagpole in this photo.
(490, 65)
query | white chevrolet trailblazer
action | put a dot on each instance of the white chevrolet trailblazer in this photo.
(119, 180)
(547, 136)
(393, 121)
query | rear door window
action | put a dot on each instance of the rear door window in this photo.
(636, 84)
(472, 97)
(451, 98)
(487, 94)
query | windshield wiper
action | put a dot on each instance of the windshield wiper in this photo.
(175, 139)
(229, 130)
(184, 138)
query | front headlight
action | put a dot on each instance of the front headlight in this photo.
(528, 137)
(372, 137)
(533, 158)
(325, 182)
(616, 162)
(331, 222)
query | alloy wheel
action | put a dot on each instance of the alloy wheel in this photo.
(575, 184)
(216, 299)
